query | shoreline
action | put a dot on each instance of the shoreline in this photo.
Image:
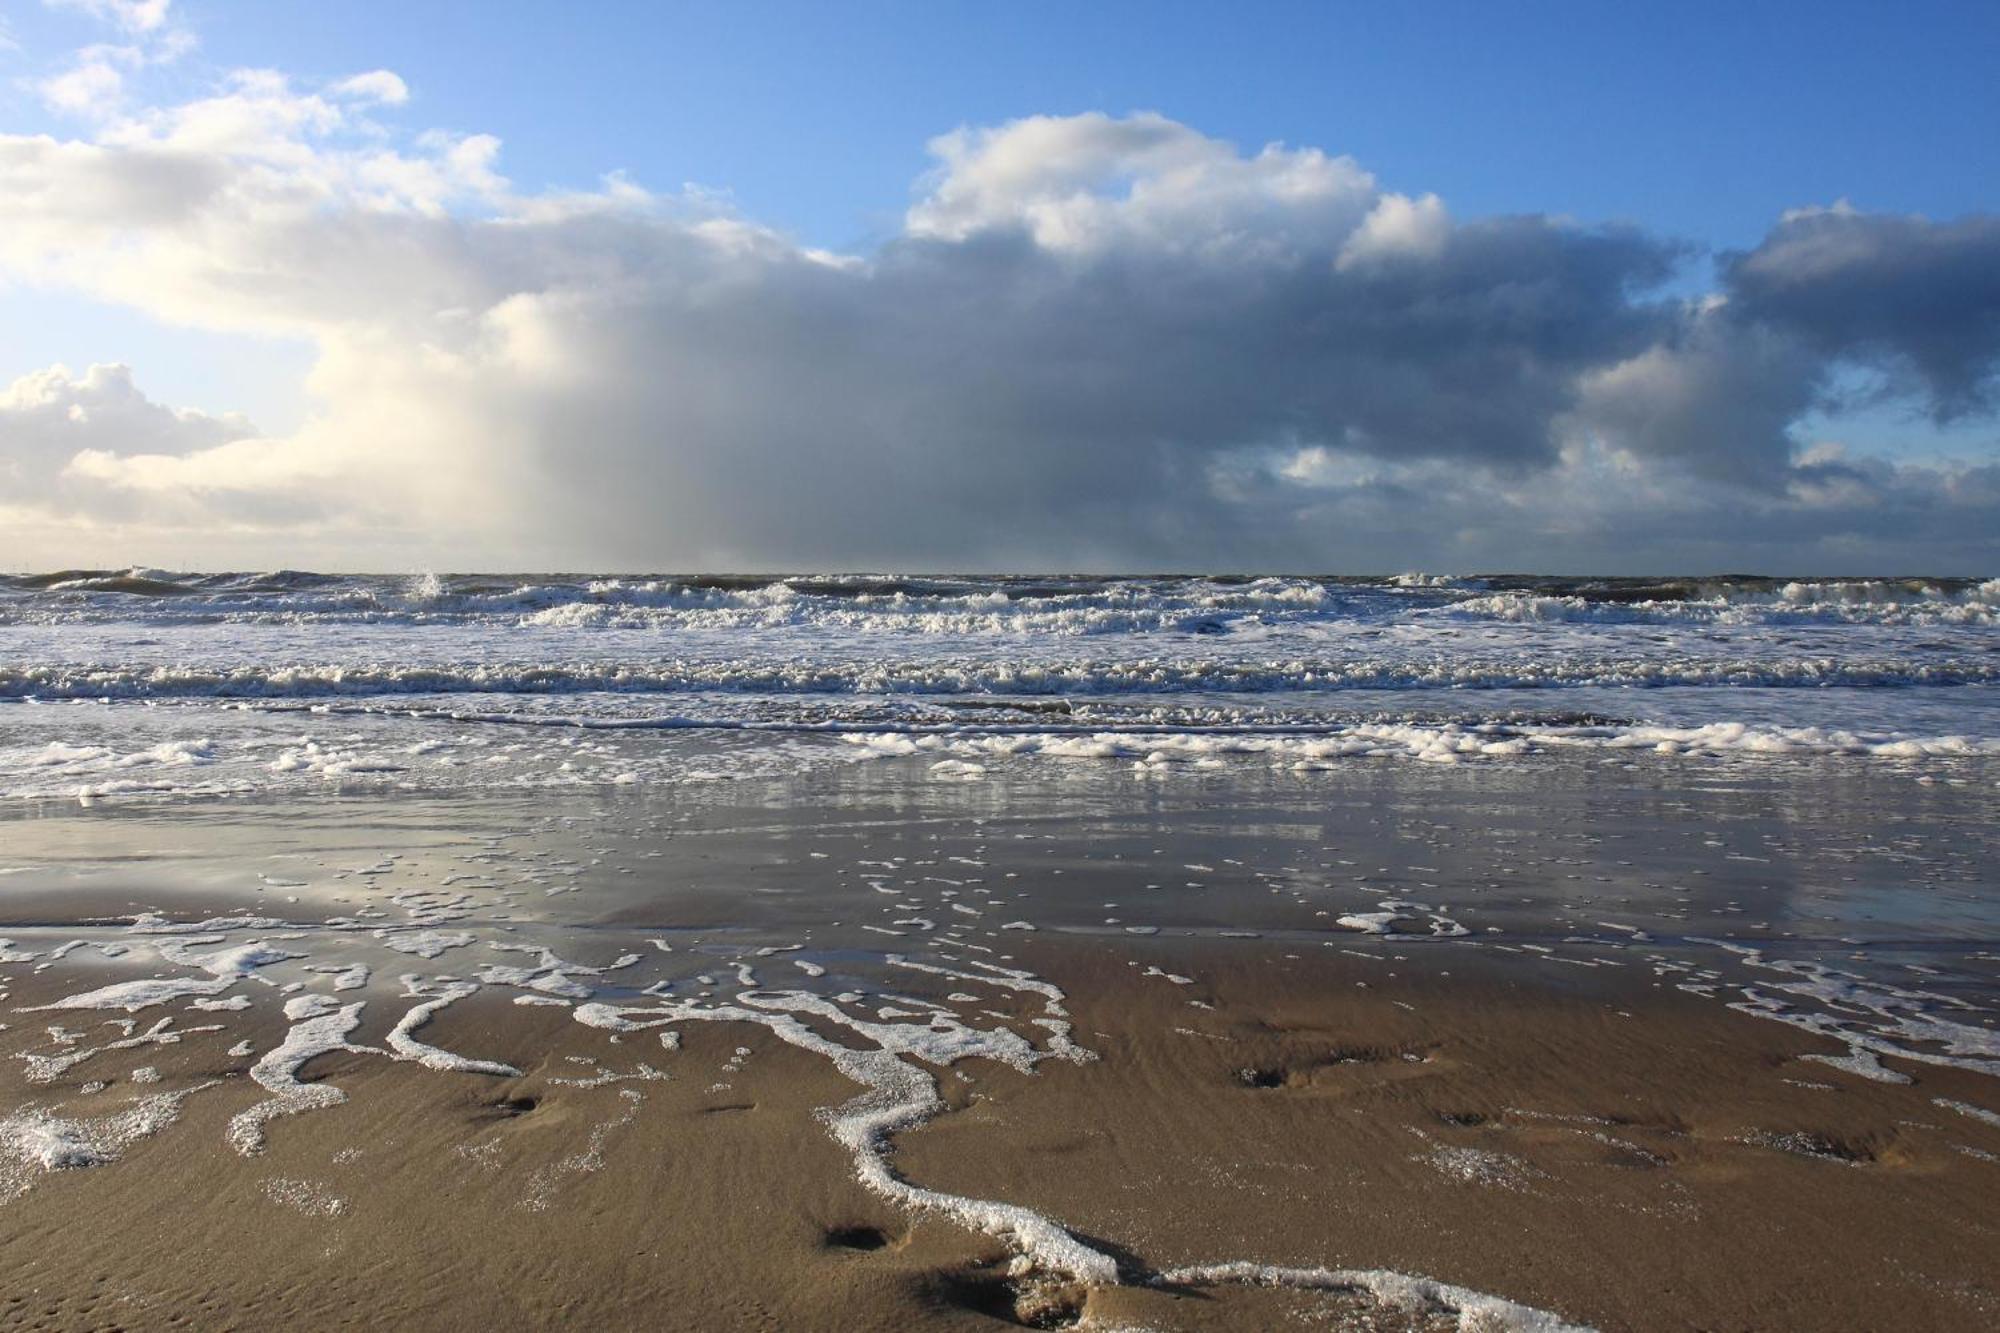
(1281, 1065)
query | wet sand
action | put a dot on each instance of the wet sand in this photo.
(1582, 1125)
(1626, 1159)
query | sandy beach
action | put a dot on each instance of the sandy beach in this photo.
(1625, 1159)
(1244, 1107)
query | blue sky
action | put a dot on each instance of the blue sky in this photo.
(1698, 124)
(1702, 120)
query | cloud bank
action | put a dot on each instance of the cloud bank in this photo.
(1097, 341)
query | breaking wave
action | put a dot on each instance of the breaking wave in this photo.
(971, 677)
(1417, 665)
(966, 605)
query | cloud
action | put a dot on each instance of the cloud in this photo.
(1090, 183)
(1715, 395)
(93, 86)
(1398, 227)
(53, 412)
(52, 418)
(1097, 341)
(1916, 299)
(377, 85)
(132, 16)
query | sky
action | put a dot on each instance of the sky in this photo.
(1565, 287)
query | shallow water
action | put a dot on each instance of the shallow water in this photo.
(1853, 901)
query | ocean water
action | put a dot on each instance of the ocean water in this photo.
(848, 814)
(148, 682)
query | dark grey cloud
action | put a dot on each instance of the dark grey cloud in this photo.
(988, 395)
(1917, 299)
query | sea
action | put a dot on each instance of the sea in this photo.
(152, 683)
